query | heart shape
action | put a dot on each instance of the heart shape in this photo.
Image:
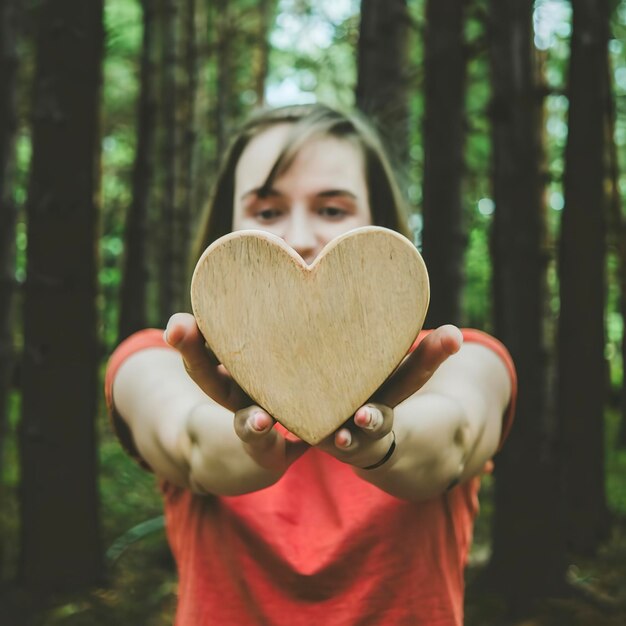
(310, 344)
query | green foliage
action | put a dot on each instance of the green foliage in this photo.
(615, 466)
(478, 275)
(123, 29)
(313, 54)
(129, 494)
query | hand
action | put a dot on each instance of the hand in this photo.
(254, 426)
(183, 334)
(418, 367)
(367, 437)
(263, 443)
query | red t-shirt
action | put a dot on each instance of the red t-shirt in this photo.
(321, 546)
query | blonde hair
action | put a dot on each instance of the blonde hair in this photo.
(308, 122)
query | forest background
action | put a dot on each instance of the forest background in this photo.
(507, 122)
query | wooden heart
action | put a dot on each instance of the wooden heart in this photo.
(310, 344)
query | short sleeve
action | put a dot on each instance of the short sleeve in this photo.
(148, 338)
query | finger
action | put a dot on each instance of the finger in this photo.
(253, 425)
(344, 440)
(417, 369)
(183, 334)
(374, 420)
(255, 428)
(351, 448)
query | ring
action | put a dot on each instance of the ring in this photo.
(387, 456)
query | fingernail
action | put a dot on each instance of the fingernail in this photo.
(374, 418)
(256, 422)
(344, 439)
(165, 336)
(363, 419)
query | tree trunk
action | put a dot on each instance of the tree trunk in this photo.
(382, 77)
(60, 542)
(8, 216)
(582, 367)
(528, 558)
(172, 267)
(224, 74)
(443, 236)
(617, 231)
(135, 276)
(203, 157)
(187, 122)
(262, 50)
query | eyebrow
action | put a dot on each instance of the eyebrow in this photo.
(328, 193)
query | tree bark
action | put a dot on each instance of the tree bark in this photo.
(9, 28)
(172, 225)
(617, 234)
(443, 236)
(188, 124)
(224, 75)
(581, 338)
(170, 291)
(262, 50)
(60, 541)
(203, 155)
(528, 553)
(382, 77)
(135, 275)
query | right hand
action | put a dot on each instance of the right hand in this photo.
(254, 426)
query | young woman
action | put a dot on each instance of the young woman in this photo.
(373, 526)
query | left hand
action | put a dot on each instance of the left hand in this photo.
(367, 437)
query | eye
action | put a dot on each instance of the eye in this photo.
(332, 212)
(268, 214)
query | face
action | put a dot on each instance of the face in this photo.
(321, 196)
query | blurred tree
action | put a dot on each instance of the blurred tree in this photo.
(617, 232)
(60, 544)
(616, 229)
(262, 49)
(582, 367)
(8, 215)
(222, 22)
(8, 205)
(170, 223)
(187, 121)
(443, 235)
(528, 557)
(203, 157)
(135, 275)
(382, 90)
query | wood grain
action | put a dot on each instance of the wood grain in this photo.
(310, 344)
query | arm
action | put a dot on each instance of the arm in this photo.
(184, 435)
(449, 400)
(449, 428)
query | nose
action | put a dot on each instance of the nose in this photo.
(301, 236)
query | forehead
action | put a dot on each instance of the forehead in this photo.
(323, 160)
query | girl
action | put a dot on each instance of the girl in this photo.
(373, 526)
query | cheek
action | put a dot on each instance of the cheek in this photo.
(365, 218)
(242, 221)
(237, 218)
